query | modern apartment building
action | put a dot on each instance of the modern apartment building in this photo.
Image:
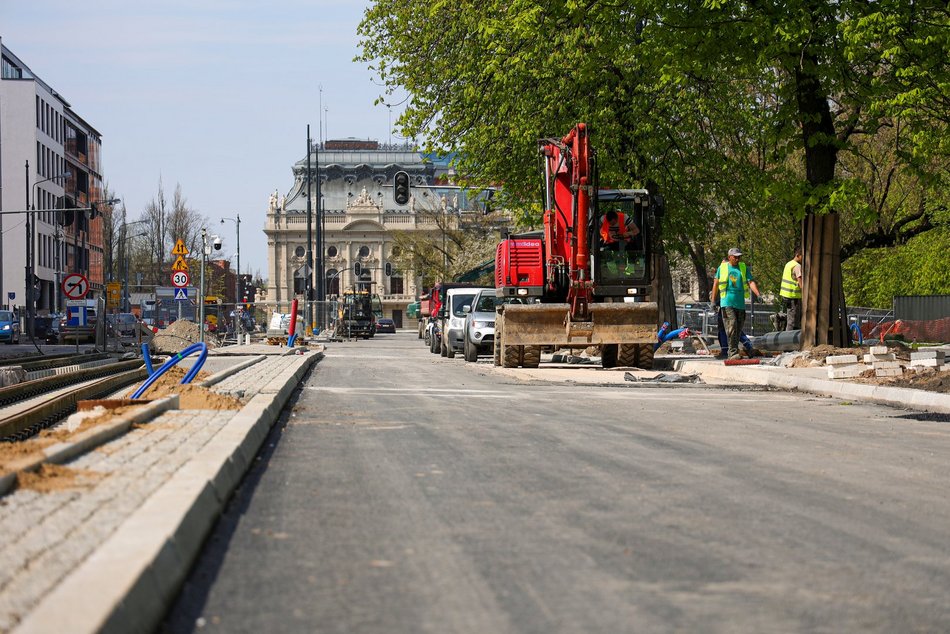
(49, 161)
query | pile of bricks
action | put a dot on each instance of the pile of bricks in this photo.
(928, 359)
(844, 366)
(884, 363)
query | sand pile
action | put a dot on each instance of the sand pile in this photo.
(179, 336)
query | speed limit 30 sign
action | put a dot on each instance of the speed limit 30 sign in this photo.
(180, 279)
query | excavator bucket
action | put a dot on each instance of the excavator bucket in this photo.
(535, 325)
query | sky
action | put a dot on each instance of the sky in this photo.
(214, 95)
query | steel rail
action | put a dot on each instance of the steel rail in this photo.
(28, 389)
(28, 422)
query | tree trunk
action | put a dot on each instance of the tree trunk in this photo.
(825, 316)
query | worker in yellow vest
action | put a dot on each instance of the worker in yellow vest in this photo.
(791, 292)
(733, 282)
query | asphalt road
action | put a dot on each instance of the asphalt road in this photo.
(404, 492)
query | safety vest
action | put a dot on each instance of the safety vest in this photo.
(790, 288)
(723, 275)
(605, 227)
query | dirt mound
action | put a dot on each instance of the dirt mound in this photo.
(190, 396)
(180, 335)
(923, 379)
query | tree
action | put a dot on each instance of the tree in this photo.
(164, 227)
(739, 111)
(457, 242)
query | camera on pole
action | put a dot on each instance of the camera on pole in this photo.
(401, 188)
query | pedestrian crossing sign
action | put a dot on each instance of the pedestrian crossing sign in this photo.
(181, 294)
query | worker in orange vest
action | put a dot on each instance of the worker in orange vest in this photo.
(616, 232)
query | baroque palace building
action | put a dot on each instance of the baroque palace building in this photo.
(359, 214)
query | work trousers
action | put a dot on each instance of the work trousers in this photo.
(734, 319)
(724, 339)
(793, 310)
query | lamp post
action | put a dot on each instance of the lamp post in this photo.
(237, 277)
(126, 304)
(31, 246)
(126, 301)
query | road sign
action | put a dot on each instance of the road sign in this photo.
(75, 286)
(180, 264)
(180, 248)
(181, 294)
(180, 278)
(11, 296)
(114, 293)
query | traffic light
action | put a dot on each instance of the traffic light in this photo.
(401, 188)
(357, 269)
(388, 269)
(93, 211)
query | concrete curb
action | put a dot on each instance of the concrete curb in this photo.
(778, 377)
(128, 584)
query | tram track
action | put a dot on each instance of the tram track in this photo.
(20, 420)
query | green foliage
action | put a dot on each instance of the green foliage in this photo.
(709, 100)
(920, 267)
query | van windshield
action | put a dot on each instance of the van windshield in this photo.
(459, 302)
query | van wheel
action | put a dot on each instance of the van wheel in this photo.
(450, 352)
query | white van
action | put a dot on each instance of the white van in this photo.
(453, 318)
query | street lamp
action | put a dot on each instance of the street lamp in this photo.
(125, 251)
(126, 300)
(31, 247)
(237, 277)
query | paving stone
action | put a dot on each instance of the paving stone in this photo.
(841, 359)
(878, 349)
(927, 354)
(888, 372)
(927, 363)
(887, 365)
(873, 358)
(847, 371)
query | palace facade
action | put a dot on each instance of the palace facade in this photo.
(358, 215)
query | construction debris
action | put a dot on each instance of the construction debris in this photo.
(179, 335)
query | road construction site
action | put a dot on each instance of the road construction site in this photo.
(122, 497)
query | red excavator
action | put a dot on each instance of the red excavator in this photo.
(587, 275)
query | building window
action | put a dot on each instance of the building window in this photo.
(686, 285)
(299, 251)
(331, 251)
(364, 252)
(333, 282)
(396, 284)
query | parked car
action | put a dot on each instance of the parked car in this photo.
(453, 318)
(385, 324)
(122, 325)
(9, 327)
(52, 332)
(479, 330)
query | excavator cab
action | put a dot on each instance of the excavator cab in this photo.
(621, 238)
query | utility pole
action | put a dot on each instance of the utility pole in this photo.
(321, 295)
(201, 286)
(309, 265)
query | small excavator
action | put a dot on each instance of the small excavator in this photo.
(581, 289)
